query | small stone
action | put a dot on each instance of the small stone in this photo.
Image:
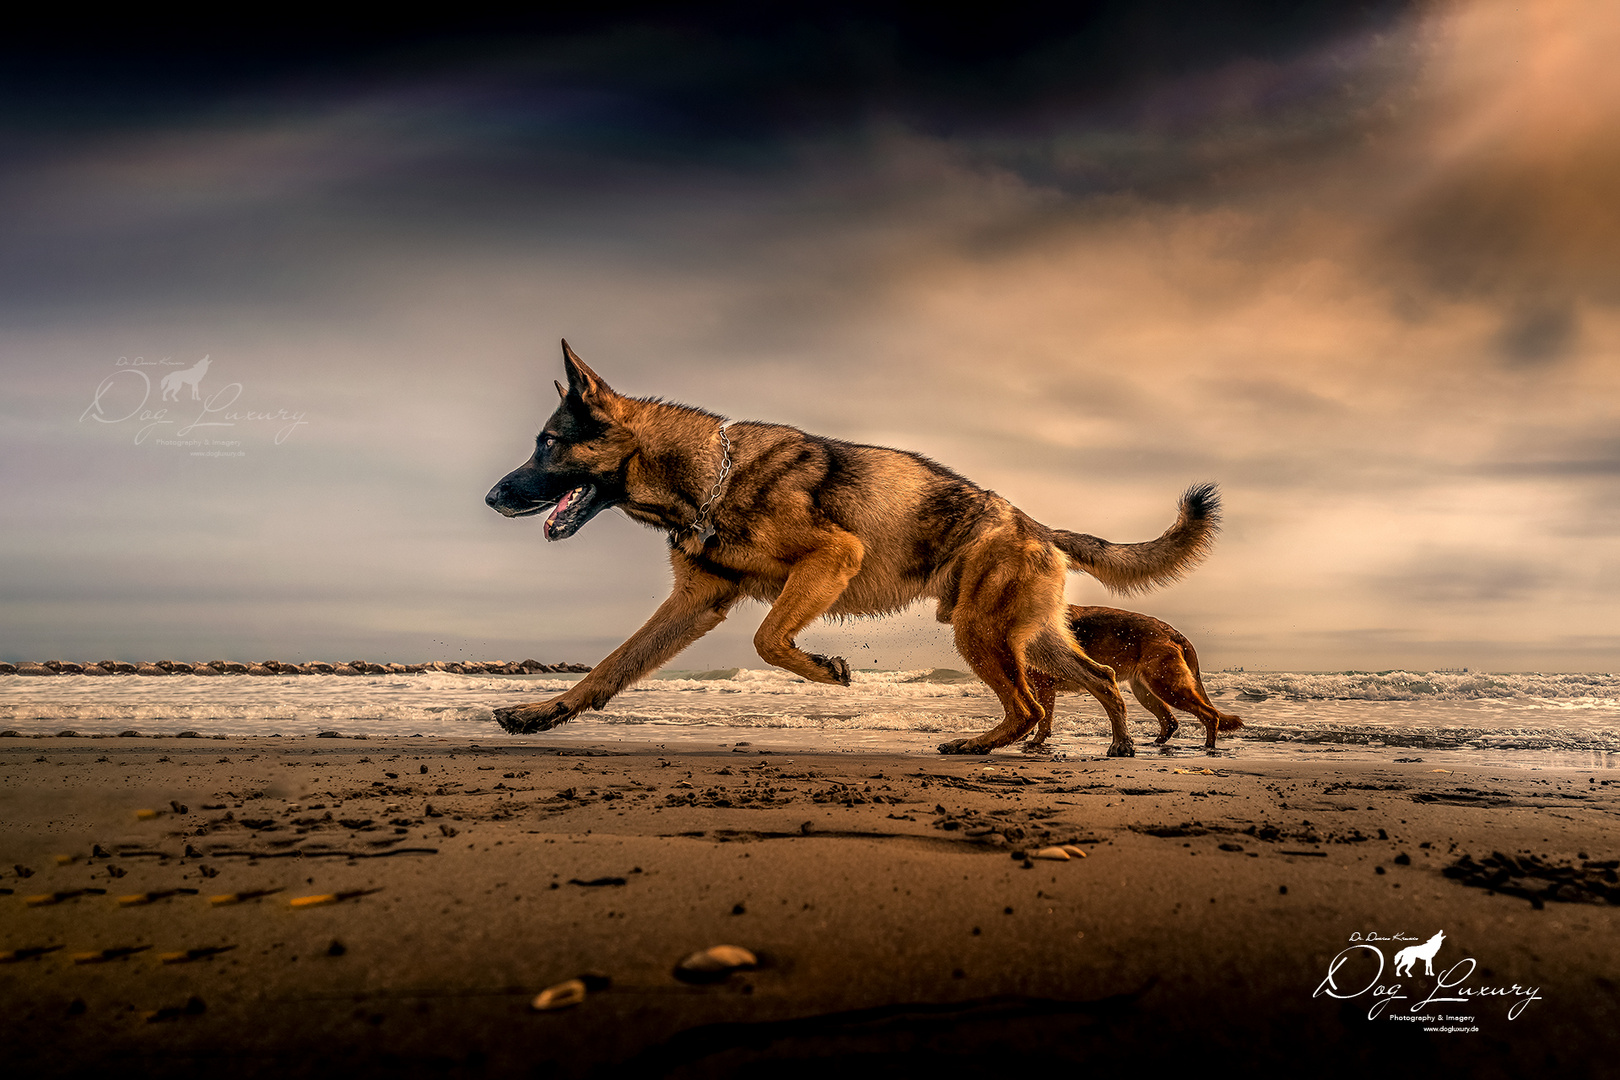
(714, 964)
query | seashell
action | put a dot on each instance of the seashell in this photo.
(715, 963)
(1056, 854)
(562, 996)
(1073, 851)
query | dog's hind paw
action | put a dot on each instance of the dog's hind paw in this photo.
(962, 746)
(1121, 749)
(536, 716)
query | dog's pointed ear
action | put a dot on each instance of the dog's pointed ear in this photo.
(582, 381)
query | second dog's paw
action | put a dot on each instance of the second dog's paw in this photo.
(1121, 749)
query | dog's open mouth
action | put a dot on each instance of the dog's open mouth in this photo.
(572, 510)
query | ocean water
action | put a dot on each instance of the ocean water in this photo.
(1449, 718)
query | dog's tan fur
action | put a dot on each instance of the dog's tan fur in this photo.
(817, 527)
(1154, 657)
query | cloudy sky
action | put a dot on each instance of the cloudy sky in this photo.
(1359, 268)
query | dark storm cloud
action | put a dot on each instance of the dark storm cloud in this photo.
(694, 72)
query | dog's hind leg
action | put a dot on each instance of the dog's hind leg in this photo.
(1007, 586)
(994, 661)
(1053, 651)
(697, 604)
(813, 585)
(1173, 681)
(1168, 724)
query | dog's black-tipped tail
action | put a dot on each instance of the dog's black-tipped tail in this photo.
(1132, 568)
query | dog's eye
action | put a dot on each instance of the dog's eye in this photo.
(548, 441)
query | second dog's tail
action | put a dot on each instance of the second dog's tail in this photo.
(1130, 568)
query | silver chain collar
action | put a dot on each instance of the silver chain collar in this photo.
(702, 525)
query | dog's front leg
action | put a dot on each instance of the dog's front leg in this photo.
(815, 583)
(697, 605)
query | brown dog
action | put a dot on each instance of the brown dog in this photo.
(1160, 664)
(815, 526)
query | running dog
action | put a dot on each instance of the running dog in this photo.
(1160, 664)
(816, 527)
(1413, 953)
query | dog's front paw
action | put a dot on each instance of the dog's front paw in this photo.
(1169, 729)
(1124, 748)
(963, 746)
(836, 667)
(535, 716)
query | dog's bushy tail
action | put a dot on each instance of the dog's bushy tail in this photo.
(1132, 568)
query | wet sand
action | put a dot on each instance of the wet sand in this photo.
(899, 924)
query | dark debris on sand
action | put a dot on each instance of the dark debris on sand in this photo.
(1538, 881)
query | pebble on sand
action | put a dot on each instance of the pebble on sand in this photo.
(715, 963)
(562, 996)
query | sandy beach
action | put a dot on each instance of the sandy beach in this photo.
(323, 906)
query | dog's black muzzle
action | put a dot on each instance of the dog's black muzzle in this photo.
(528, 490)
(519, 493)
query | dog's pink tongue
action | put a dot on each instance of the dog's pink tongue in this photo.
(562, 504)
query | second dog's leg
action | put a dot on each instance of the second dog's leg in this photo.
(1045, 688)
(1168, 724)
(1054, 653)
